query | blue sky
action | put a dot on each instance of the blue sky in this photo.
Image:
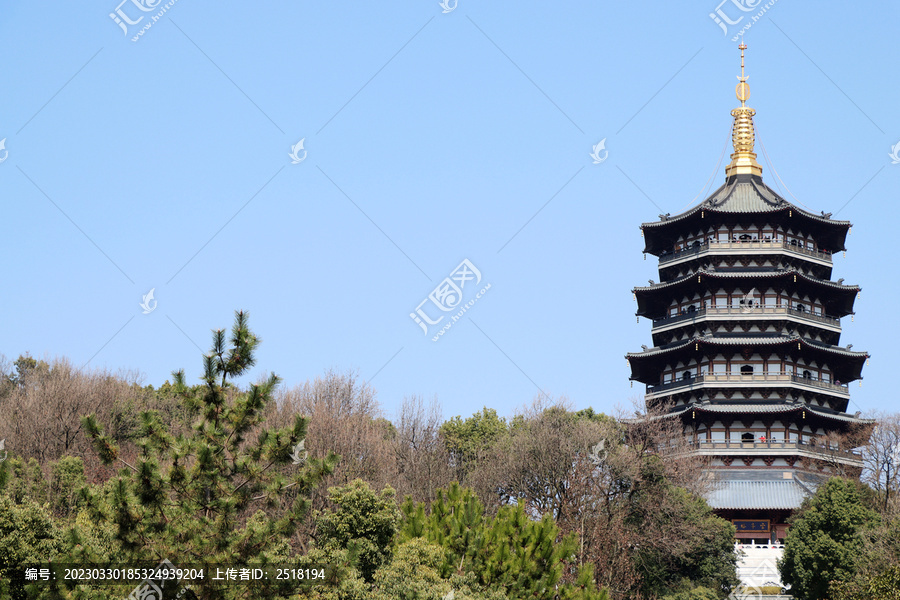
(429, 138)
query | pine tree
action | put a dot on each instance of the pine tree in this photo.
(522, 557)
(210, 497)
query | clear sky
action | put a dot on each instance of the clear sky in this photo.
(429, 138)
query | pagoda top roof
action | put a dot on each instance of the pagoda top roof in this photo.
(743, 194)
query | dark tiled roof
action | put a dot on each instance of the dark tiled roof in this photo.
(763, 340)
(786, 494)
(744, 195)
(759, 407)
(742, 274)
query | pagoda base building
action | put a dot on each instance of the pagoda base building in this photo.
(746, 326)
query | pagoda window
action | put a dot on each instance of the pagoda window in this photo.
(687, 376)
(807, 374)
(747, 437)
(801, 307)
(747, 370)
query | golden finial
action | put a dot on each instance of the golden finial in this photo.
(743, 137)
(742, 91)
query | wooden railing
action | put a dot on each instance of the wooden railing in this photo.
(823, 449)
(746, 310)
(748, 378)
(742, 245)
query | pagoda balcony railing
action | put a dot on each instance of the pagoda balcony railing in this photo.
(718, 446)
(749, 378)
(746, 312)
(699, 248)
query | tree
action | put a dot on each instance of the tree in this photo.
(362, 522)
(536, 461)
(43, 404)
(421, 457)
(678, 539)
(881, 457)
(27, 536)
(511, 552)
(825, 539)
(344, 417)
(209, 497)
(883, 586)
(468, 440)
(413, 574)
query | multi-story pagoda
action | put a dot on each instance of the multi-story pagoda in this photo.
(746, 353)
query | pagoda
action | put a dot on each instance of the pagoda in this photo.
(746, 327)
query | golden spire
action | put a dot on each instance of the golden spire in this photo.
(742, 135)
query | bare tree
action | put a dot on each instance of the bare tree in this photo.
(344, 418)
(881, 459)
(422, 460)
(44, 402)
